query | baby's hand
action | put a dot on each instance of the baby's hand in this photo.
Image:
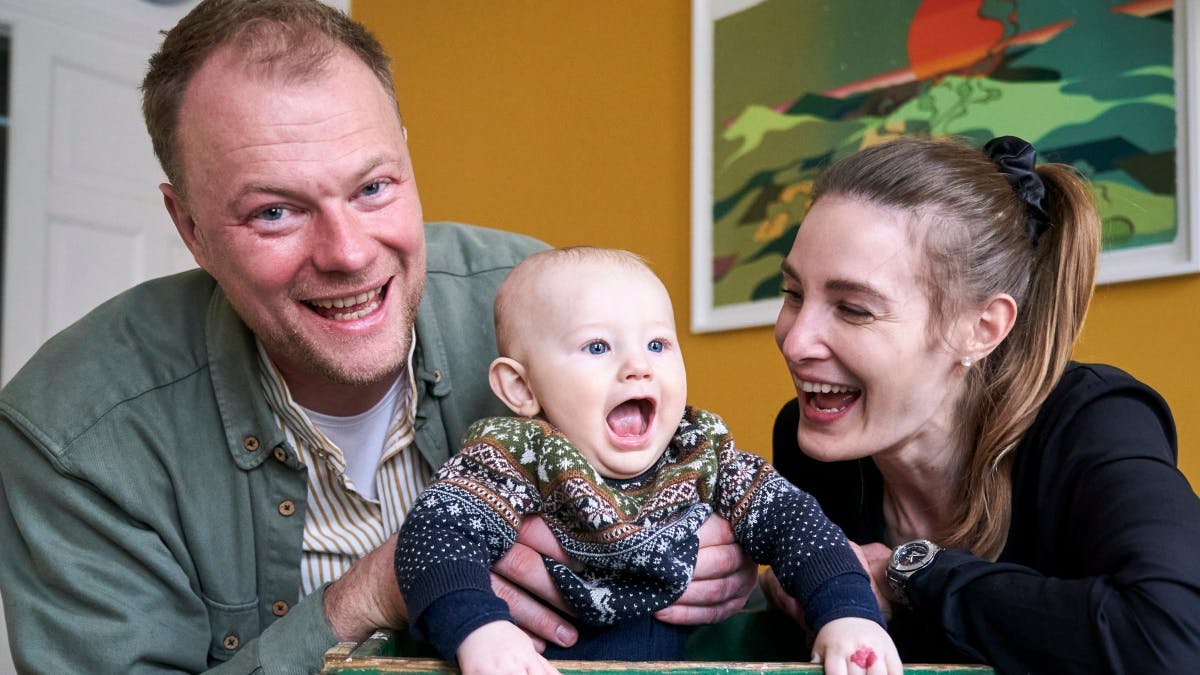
(851, 646)
(500, 648)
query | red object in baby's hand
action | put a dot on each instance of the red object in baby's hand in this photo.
(863, 658)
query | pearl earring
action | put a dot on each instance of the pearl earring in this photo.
(966, 362)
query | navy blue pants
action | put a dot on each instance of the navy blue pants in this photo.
(641, 639)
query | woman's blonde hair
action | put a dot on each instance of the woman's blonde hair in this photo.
(974, 231)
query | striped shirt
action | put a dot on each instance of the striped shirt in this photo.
(341, 524)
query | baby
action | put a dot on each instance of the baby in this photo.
(607, 452)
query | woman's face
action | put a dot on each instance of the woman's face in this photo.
(854, 332)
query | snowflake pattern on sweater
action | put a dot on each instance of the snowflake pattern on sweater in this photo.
(633, 542)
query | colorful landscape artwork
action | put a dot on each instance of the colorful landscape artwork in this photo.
(800, 83)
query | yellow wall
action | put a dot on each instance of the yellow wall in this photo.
(570, 121)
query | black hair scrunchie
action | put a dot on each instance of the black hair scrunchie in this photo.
(1016, 159)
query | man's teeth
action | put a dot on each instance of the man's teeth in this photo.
(825, 388)
(365, 302)
(346, 302)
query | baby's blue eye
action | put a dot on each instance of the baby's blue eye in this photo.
(655, 346)
(597, 347)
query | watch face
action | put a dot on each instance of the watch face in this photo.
(911, 556)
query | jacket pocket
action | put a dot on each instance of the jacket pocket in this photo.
(231, 627)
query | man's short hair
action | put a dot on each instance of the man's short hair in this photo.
(291, 38)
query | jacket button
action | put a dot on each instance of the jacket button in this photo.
(231, 642)
(250, 443)
(280, 453)
(287, 507)
(279, 608)
(437, 376)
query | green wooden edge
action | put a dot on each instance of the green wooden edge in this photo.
(376, 656)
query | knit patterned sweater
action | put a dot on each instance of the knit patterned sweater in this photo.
(633, 542)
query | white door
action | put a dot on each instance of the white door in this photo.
(84, 219)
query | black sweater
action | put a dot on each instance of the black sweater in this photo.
(1101, 570)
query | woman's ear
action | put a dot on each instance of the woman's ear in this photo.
(991, 325)
(507, 378)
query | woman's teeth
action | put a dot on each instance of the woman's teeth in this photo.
(825, 388)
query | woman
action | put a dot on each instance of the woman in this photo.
(932, 298)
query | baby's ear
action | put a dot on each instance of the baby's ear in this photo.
(507, 378)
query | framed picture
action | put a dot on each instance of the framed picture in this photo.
(783, 87)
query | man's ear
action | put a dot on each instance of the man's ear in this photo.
(184, 223)
(507, 378)
(991, 325)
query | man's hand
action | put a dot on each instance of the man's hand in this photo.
(367, 596)
(722, 582)
(521, 580)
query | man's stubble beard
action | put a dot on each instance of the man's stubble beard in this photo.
(302, 352)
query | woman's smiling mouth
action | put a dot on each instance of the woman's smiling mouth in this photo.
(826, 397)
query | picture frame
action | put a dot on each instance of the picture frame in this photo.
(740, 234)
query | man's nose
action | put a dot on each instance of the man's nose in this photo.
(343, 242)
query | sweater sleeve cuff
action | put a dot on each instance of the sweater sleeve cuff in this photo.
(842, 596)
(442, 579)
(454, 616)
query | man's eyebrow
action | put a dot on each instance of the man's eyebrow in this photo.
(368, 167)
(839, 285)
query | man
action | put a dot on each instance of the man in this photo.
(205, 471)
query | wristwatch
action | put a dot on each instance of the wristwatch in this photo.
(908, 559)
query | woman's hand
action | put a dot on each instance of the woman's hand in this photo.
(874, 558)
(722, 582)
(521, 580)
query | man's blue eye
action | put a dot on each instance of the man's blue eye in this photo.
(597, 347)
(372, 188)
(655, 346)
(271, 213)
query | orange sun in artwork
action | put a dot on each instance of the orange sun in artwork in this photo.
(949, 35)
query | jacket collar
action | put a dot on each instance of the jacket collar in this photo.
(251, 432)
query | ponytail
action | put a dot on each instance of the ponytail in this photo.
(1005, 394)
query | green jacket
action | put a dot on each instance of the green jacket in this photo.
(151, 513)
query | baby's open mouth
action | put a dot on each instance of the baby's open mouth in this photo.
(631, 418)
(350, 307)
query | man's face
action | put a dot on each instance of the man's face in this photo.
(602, 359)
(301, 202)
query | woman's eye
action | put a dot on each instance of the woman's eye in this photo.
(596, 347)
(655, 346)
(856, 312)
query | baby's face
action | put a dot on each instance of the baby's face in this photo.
(602, 358)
